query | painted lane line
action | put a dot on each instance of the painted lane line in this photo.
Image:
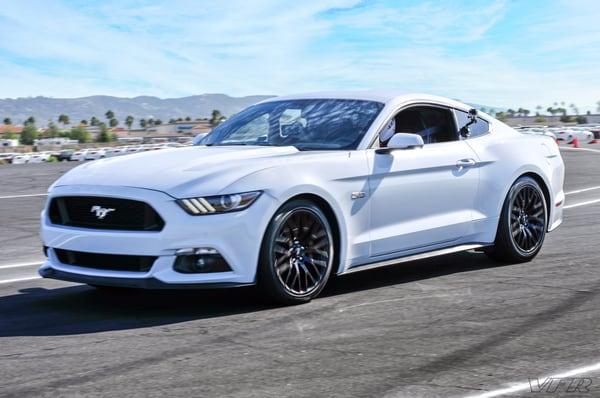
(21, 265)
(527, 386)
(579, 149)
(29, 278)
(582, 190)
(23, 196)
(589, 202)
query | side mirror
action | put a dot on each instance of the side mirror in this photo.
(402, 141)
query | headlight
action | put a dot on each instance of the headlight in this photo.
(218, 204)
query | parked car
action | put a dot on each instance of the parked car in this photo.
(568, 136)
(334, 183)
(79, 155)
(39, 157)
(94, 154)
(65, 155)
(21, 158)
(7, 157)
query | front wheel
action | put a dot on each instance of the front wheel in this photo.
(522, 225)
(297, 254)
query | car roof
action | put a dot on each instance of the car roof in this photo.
(386, 97)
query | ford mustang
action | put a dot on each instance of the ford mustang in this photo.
(294, 189)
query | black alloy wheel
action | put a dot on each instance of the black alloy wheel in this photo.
(298, 253)
(523, 223)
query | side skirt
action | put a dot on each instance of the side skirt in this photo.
(413, 257)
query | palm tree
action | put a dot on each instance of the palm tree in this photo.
(109, 114)
(550, 110)
(94, 121)
(64, 119)
(574, 109)
(113, 122)
(129, 121)
(216, 117)
(538, 109)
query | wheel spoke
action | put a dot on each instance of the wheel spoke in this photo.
(301, 251)
(527, 218)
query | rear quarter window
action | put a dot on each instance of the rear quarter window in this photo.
(480, 127)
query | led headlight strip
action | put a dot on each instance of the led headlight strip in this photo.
(218, 204)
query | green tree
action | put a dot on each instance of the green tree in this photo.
(598, 106)
(113, 122)
(216, 117)
(29, 134)
(104, 135)
(157, 122)
(538, 110)
(30, 120)
(109, 114)
(172, 121)
(501, 116)
(84, 122)
(94, 121)
(52, 131)
(187, 119)
(7, 121)
(510, 113)
(64, 119)
(143, 123)
(80, 134)
(581, 120)
(129, 121)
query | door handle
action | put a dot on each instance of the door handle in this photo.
(465, 163)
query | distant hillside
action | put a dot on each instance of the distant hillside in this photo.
(44, 108)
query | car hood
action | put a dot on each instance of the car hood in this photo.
(179, 172)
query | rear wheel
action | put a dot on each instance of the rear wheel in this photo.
(297, 253)
(522, 225)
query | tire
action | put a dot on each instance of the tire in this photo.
(522, 225)
(297, 254)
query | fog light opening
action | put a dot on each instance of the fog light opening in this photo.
(200, 260)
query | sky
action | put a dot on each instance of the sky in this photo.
(499, 53)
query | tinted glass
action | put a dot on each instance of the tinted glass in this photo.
(480, 127)
(306, 124)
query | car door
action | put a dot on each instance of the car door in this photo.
(421, 197)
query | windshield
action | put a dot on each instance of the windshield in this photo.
(307, 124)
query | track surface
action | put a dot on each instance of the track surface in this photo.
(452, 326)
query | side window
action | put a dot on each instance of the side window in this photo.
(434, 124)
(480, 127)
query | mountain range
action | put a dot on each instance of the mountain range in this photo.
(44, 109)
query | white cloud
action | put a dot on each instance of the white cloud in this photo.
(268, 46)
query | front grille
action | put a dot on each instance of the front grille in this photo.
(104, 213)
(113, 262)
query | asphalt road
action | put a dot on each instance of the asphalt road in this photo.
(457, 325)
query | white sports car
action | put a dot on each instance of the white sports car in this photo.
(296, 188)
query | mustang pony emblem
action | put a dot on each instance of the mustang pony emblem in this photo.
(101, 212)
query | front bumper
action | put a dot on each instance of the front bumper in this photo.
(236, 236)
